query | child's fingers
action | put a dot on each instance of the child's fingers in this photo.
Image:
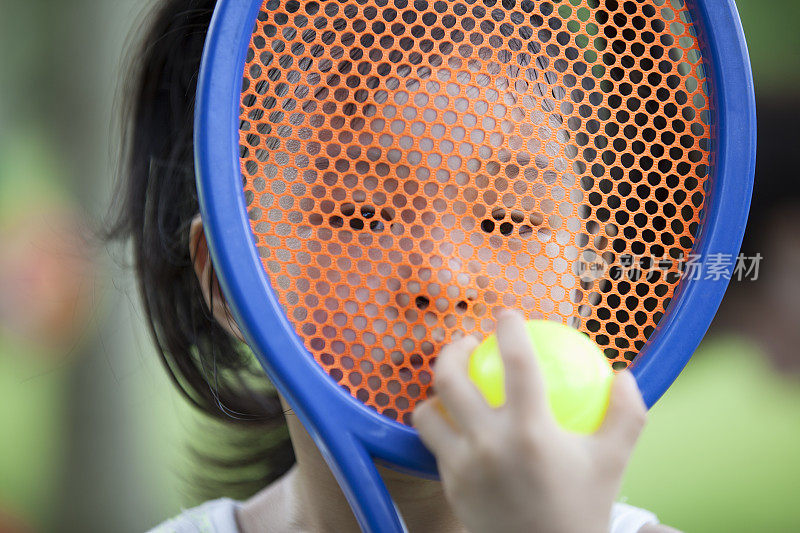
(458, 395)
(434, 429)
(626, 414)
(523, 379)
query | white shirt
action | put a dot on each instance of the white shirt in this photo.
(216, 516)
(219, 516)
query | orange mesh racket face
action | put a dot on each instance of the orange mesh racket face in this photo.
(411, 166)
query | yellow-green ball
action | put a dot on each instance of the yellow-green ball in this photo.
(577, 375)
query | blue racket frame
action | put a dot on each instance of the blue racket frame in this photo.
(350, 435)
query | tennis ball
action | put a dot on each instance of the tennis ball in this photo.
(576, 374)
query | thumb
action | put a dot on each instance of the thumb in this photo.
(626, 415)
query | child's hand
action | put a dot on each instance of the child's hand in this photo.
(513, 469)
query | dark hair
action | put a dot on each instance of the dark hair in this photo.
(152, 210)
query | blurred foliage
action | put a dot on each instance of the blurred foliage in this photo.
(33, 418)
(720, 450)
(770, 27)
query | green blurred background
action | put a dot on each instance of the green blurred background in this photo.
(93, 438)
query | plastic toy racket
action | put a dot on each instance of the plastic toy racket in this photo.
(377, 177)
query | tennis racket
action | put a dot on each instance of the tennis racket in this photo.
(379, 177)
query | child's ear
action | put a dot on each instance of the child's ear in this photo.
(209, 284)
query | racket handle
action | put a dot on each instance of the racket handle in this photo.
(362, 485)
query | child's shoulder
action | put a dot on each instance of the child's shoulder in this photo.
(216, 516)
